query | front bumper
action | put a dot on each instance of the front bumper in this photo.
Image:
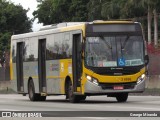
(91, 88)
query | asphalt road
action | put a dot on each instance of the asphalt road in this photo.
(94, 103)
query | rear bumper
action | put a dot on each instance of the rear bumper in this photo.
(91, 88)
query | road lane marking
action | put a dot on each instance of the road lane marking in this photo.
(125, 107)
(97, 118)
(9, 110)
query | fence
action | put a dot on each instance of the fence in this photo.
(4, 73)
(154, 60)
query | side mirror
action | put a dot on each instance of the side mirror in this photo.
(146, 59)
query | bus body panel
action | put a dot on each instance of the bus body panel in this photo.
(117, 81)
(57, 70)
(53, 76)
(65, 70)
(31, 71)
(92, 89)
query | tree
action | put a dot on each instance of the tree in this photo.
(151, 7)
(156, 8)
(128, 9)
(94, 8)
(13, 20)
(52, 11)
(110, 9)
(78, 10)
(57, 11)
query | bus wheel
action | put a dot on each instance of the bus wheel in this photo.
(31, 90)
(122, 97)
(72, 98)
(67, 89)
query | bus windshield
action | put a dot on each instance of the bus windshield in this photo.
(114, 51)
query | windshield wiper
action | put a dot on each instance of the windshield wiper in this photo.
(124, 44)
(110, 47)
(125, 41)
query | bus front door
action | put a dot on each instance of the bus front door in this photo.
(19, 67)
(77, 61)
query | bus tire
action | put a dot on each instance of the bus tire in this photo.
(67, 88)
(122, 97)
(72, 98)
(31, 91)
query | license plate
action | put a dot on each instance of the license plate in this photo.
(118, 87)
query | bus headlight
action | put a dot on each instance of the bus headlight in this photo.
(141, 78)
(93, 80)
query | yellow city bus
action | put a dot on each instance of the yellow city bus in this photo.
(80, 59)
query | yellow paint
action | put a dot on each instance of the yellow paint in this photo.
(78, 89)
(118, 79)
(26, 77)
(11, 64)
(112, 22)
(64, 72)
(83, 78)
(76, 27)
(47, 77)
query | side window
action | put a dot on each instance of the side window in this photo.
(58, 45)
(67, 45)
(33, 48)
(51, 53)
(14, 51)
(26, 50)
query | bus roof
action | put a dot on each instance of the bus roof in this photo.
(49, 29)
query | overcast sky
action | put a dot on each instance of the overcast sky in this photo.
(32, 5)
